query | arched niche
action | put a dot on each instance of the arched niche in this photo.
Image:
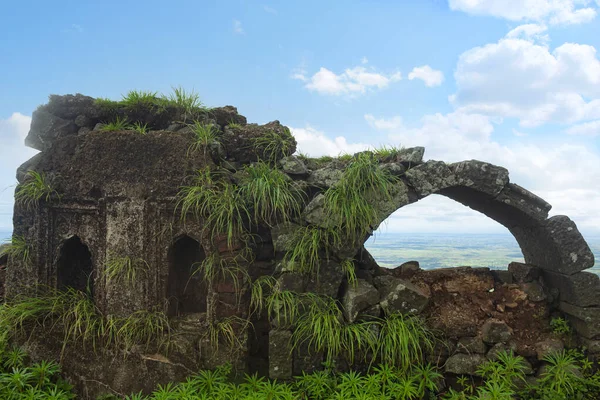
(438, 232)
(74, 267)
(186, 291)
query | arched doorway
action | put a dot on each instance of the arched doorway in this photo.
(74, 266)
(186, 291)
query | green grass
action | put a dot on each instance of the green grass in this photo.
(272, 194)
(227, 331)
(309, 246)
(107, 105)
(349, 271)
(204, 135)
(217, 202)
(349, 204)
(35, 187)
(125, 269)
(17, 250)
(119, 124)
(387, 153)
(73, 314)
(273, 146)
(188, 101)
(143, 99)
(216, 268)
(234, 125)
(139, 127)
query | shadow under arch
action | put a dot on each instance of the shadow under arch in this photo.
(186, 291)
(74, 267)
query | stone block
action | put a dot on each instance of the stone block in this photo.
(400, 296)
(585, 320)
(581, 289)
(523, 273)
(358, 298)
(522, 199)
(495, 331)
(464, 364)
(471, 345)
(280, 356)
(481, 176)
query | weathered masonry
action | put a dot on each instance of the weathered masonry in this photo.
(116, 194)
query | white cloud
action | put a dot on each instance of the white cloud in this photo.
(12, 154)
(382, 123)
(587, 129)
(238, 28)
(430, 76)
(531, 32)
(520, 78)
(316, 144)
(353, 81)
(556, 12)
(270, 10)
(364, 60)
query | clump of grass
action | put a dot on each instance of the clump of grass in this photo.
(350, 202)
(17, 250)
(139, 127)
(217, 202)
(186, 101)
(271, 193)
(349, 270)
(309, 245)
(402, 340)
(140, 99)
(107, 105)
(36, 186)
(224, 269)
(273, 146)
(119, 124)
(387, 153)
(227, 330)
(204, 135)
(234, 125)
(259, 290)
(322, 329)
(124, 269)
(144, 328)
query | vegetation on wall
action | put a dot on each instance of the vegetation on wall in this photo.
(35, 187)
(17, 250)
(124, 269)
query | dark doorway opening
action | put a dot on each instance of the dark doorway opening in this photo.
(75, 268)
(186, 291)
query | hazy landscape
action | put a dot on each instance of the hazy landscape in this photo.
(434, 250)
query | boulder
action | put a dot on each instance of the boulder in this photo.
(226, 115)
(283, 236)
(471, 345)
(431, 177)
(581, 289)
(358, 298)
(411, 156)
(495, 331)
(293, 166)
(400, 296)
(585, 320)
(546, 347)
(509, 347)
(326, 177)
(534, 291)
(249, 143)
(464, 364)
(328, 281)
(314, 213)
(523, 273)
(46, 127)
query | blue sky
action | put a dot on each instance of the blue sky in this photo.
(513, 82)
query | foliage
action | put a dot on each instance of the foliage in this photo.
(119, 124)
(139, 127)
(216, 201)
(349, 203)
(560, 326)
(216, 268)
(274, 146)
(387, 153)
(271, 193)
(124, 269)
(349, 271)
(204, 135)
(188, 102)
(143, 99)
(227, 330)
(36, 186)
(17, 250)
(73, 313)
(309, 245)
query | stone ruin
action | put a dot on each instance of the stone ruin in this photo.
(116, 193)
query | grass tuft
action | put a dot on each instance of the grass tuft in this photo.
(36, 186)
(119, 124)
(273, 146)
(139, 127)
(204, 135)
(272, 194)
(310, 244)
(186, 101)
(124, 269)
(17, 250)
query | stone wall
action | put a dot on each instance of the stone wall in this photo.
(116, 194)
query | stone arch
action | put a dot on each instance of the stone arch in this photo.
(74, 266)
(553, 244)
(186, 292)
